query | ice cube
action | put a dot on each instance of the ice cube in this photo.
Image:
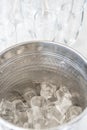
(4, 104)
(59, 95)
(50, 123)
(21, 117)
(19, 105)
(6, 110)
(63, 99)
(37, 101)
(66, 91)
(47, 90)
(30, 118)
(62, 92)
(38, 112)
(53, 113)
(28, 95)
(39, 123)
(73, 112)
(20, 112)
(63, 105)
(38, 118)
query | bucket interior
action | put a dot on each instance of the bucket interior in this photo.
(28, 70)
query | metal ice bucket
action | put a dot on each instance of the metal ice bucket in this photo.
(30, 62)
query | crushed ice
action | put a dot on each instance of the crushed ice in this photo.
(41, 111)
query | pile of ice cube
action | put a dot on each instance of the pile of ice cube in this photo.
(51, 107)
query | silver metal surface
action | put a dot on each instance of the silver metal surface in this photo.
(24, 65)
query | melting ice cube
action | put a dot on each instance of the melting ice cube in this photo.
(47, 90)
(73, 112)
